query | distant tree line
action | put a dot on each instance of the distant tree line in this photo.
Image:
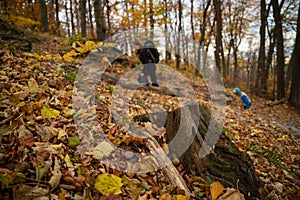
(256, 43)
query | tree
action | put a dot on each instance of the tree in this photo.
(261, 80)
(203, 28)
(279, 49)
(178, 39)
(99, 19)
(91, 18)
(72, 17)
(294, 64)
(43, 8)
(219, 52)
(83, 17)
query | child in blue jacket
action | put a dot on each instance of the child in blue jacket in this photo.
(245, 101)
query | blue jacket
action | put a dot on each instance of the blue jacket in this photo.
(246, 103)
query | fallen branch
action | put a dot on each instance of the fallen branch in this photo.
(277, 102)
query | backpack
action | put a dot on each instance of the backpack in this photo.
(153, 54)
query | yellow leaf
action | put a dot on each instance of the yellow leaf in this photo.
(90, 44)
(50, 113)
(108, 183)
(68, 161)
(181, 197)
(68, 58)
(67, 112)
(33, 85)
(28, 54)
(73, 53)
(283, 138)
(216, 189)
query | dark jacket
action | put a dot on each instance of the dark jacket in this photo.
(148, 53)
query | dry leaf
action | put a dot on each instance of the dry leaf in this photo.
(102, 149)
(216, 190)
(56, 174)
(232, 194)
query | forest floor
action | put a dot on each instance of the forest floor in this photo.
(38, 135)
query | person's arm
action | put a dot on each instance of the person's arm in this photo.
(246, 100)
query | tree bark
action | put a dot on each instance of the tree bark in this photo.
(83, 17)
(72, 17)
(200, 54)
(77, 15)
(261, 81)
(167, 36)
(44, 27)
(57, 16)
(280, 49)
(225, 164)
(178, 39)
(294, 64)
(152, 21)
(219, 53)
(99, 19)
(68, 20)
(91, 19)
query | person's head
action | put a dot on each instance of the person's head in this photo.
(237, 90)
(149, 44)
(137, 45)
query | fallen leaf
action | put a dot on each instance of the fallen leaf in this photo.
(67, 112)
(232, 194)
(108, 183)
(182, 197)
(216, 190)
(73, 141)
(102, 149)
(56, 175)
(49, 113)
(68, 161)
(27, 140)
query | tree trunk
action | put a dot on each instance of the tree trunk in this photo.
(108, 11)
(57, 16)
(91, 19)
(226, 164)
(83, 17)
(262, 48)
(45, 27)
(279, 48)
(77, 16)
(167, 36)
(219, 53)
(151, 16)
(68, 20)
(200, 54)
(72, 18)
(99, 18)
(294, 64)
(179, 42)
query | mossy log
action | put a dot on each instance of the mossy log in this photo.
(225, 163)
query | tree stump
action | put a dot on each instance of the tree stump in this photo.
(225, 163)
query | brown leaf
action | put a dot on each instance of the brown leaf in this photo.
(232, 194)
(27, 140)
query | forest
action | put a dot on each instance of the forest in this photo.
(77, 123)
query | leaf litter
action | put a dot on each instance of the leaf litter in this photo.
(39, 139)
